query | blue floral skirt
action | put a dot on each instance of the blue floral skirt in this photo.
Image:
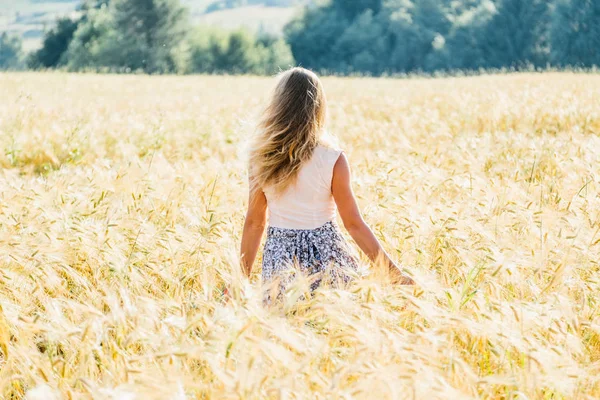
(321, 253)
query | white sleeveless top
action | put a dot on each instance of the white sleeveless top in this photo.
(308, 203)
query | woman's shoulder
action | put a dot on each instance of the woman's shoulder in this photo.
(328, 154)
(328, 149)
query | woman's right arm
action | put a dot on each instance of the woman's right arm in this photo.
(254, 227)
(357, 228)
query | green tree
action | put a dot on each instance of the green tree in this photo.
(517, 34)
(131, 35)
(361, 45)
(238, 52)
(312, 37)
(11, 55)
(54, 51)
(575, 33)
(148, 35)
(207, 46)
(462, 48)
(419, 29)
(88, 48)
(378, 36)
(239, 56)
(274, 55)
(370, 36)
(55, 44)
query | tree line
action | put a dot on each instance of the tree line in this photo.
(374, 37)
(151, 36)
(403, 36)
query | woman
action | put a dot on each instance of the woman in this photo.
(301, 181)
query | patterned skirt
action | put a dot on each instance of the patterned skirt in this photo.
(321, 253)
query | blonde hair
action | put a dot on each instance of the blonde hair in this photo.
(289, 131)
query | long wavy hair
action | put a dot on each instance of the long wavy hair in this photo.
(289, 131)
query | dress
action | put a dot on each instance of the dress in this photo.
(302, 234)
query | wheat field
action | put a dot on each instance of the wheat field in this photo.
(121, 208)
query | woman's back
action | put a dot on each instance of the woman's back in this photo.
(303, 187)
(308, 202)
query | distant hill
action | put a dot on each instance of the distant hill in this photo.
(30, 18)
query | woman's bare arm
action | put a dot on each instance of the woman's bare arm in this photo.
(254, 227)
(354, 223)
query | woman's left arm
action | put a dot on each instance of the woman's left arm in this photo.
(254, 227)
